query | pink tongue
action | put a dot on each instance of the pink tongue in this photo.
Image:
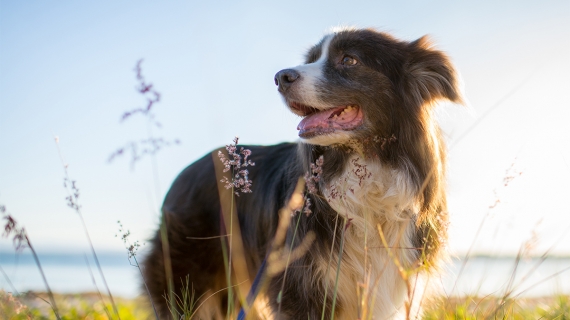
(324, 119)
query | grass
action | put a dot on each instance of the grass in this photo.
(32, 305)
(29, 305)
(495, 308)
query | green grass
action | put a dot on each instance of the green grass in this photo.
(88, 306)
(495, 308)
(71, 306)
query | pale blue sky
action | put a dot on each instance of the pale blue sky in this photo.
(66, 69)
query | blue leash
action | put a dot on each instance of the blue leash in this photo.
(254, 289)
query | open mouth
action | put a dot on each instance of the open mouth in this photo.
(318, 122)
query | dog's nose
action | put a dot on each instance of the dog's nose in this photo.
(285, 78)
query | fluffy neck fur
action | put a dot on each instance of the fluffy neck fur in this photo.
(372, 196)
(406, 201)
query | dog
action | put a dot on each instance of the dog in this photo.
(374, 161)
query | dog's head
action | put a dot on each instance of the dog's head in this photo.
(361, 84)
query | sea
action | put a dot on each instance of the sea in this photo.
(477, 275)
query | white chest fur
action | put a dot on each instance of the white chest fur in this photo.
(374, 199)
(370, 187)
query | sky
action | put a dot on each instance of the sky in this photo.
(67, 70)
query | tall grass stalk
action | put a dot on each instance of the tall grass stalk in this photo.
(50, 294)
(365, 281)
(225, 257)
(8, 281)
(151, 146)
(206, 299)
(146, 288)
(233, 251)
(288, 261)
(72, 202)
(21, 241)
(403, 272)
(510, 174)
(97, 288)
(229, 260)
(524, 250)
(341, 250)
(163, 226)
(277, 260)
(328, 269)
(167, 263)
(132, 249)
(274, 263)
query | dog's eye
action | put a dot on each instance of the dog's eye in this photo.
(348, 61)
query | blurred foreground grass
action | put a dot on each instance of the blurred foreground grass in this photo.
(491, 307)
(32, 305)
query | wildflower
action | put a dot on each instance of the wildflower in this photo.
(234, 162)
(306, 209)
(73, 197)
(152, 96)
(20, 237)
(152, 145)
(312, 179)
(131, 247)
(10, 305)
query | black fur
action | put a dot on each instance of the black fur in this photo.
(394, 84)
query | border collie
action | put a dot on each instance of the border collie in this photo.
(376, 209)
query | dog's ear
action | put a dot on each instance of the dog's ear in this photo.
(431, 73)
